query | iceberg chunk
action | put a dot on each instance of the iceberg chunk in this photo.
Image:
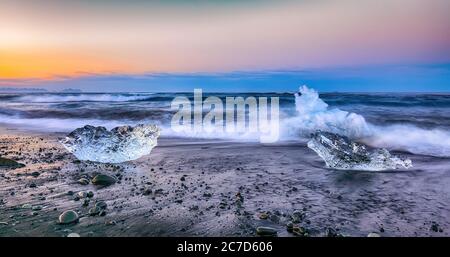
(341, 153)
(118, 145)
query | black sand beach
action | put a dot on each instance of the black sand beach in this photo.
(192, 187)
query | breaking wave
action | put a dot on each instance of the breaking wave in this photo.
(420, 127)
(314, 114)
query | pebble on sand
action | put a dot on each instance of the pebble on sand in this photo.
(10, 164)
(73, 235)
(103, 180)
(266, 231)
(100, 204)
(83, 181)
(373, 234)
(95, 211)
(68, 217)
(82, 194)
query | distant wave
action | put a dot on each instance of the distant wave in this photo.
(57, 98)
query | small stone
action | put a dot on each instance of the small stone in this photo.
(26, 206)
(36, 208)
(263, 216)
(82, 194)
(94, 211)
(73, 235)
(290, 226)
(103, 180)
(111, 223)
(90, 194)
(86, 202)
(35, 174)
(83, 181)
(102, 205)
(297, 216)
(299, 231)
(32, 185)
(434, 227)
(373, 234)
(147, 191)
(330, 232)
(266, 231)
(68, 217)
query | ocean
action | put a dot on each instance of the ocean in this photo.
(412, 122)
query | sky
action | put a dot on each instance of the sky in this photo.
(346, 45)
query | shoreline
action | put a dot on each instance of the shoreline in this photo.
(191, 187)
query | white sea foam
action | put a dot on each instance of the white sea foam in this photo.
(57, 125)
(434, 142)
(314, 114)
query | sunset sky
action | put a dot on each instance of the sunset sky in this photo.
(174, 45)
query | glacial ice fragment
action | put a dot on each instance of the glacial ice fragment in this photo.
(118, 145)
(341, 153)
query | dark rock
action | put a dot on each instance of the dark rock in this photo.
(300, 231)
(435, 227)
(94, 211)
(104, 180)
(10, 164)
(266, 231)
(86, 202)
(147, 191)
(290, 226)
(263, 216)
(102, 205)
(297, 216)
(330, 232)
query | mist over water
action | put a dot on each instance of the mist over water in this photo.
(417, 123)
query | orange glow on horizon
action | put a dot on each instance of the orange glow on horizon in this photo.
(46, 64)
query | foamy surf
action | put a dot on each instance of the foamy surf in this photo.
(414, 123)
(314, 114)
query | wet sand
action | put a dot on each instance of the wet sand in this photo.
(190, 187)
